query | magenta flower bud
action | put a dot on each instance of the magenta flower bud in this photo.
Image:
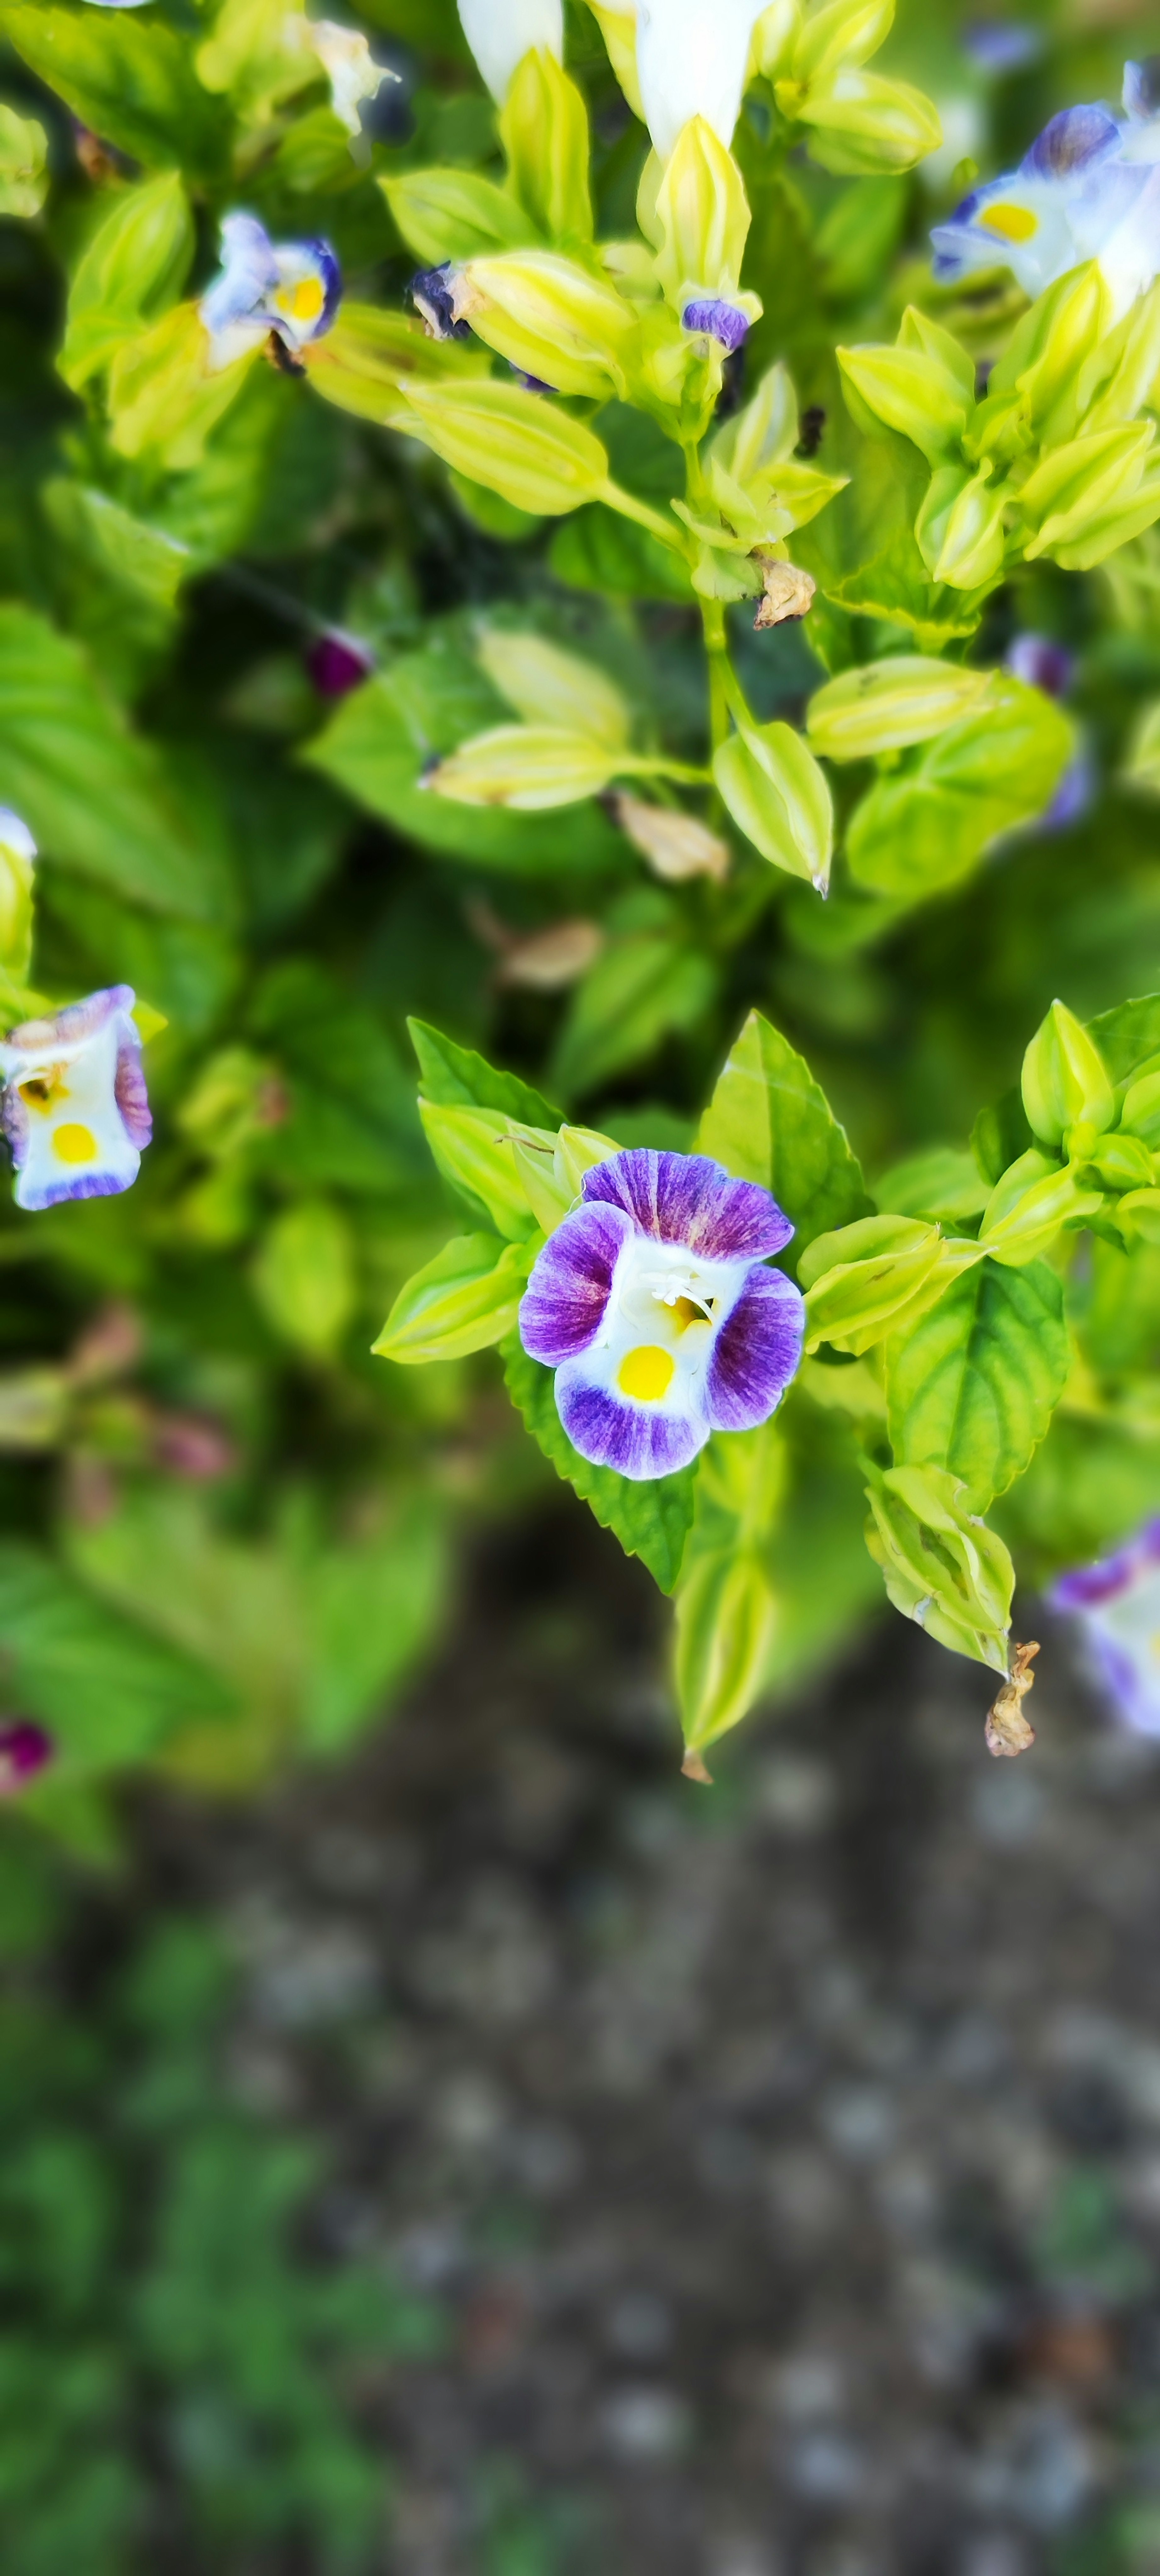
(338, 663)
(24, 1750)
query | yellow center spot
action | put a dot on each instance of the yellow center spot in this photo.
(73, 1144)
(303, 302)
(686, 1311)
(646, 1373)
(1013, 223)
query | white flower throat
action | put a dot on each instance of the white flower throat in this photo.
(662, 1320)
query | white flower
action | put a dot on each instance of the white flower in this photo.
(289, 288)
(501, 32)
(345, 56)
(692, 57)
(74, 1108)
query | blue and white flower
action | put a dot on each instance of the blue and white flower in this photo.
(1089, 188)
(290, 289)
(1117, 1605)
(501, 32)
(692, 57)
(654, 1304)
(74, 1107)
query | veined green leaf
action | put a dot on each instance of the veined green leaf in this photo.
(131, 81)
(769, 1121)
(462, 1301)
(972, 1386)
(651, 1521)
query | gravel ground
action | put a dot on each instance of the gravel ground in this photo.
(785, 2158)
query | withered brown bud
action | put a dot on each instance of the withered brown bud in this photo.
(547, 961)
(1008, 1731)
(788, 592)
(694, 1768)
(676, 846)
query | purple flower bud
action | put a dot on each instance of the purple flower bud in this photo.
(24, 1750)
(433, 296)
(338, 663)
(1041, 664)
(1002, 45)
(719, 320)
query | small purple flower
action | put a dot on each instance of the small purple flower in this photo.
(1001, 45)
(337, 663)
(1041, 664)
(74, 1107)
(432, 292)
(717, 319)
(24, 1750)
(653, 1304)
(1117, 1605)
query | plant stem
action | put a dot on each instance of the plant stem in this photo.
(630, 508)
(713, 622)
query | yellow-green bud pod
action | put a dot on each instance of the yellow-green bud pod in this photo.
(1138, 1216)
(548, 687)
(513, 442)
(525, 768)
(1065, 1079)
(552, 319)
(778, 797)
(1077, 483)
(885, 706)
(544, 131)
(1120, 1162)
(844, 32)
(17, 861)
(925, 392)
(959, 528)
(702, 214)
(863, 125)
(464, 1300)
(775, 39)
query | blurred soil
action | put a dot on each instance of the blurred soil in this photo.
(784, 2158)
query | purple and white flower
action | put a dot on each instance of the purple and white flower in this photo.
(1089, 188)
(654, 1305)
(1117, 1605)
(717, 319)
(74, 1107)
(290, 289)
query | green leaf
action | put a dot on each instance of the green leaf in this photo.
(93, 794)
(651, 1520)
(924, 826)
(383, 737)
(106, 1689)
(726, 1615)
(304, 1276)
(353, 1122)
(942, 1567)
(769, 1121)
(462, 1301)
(455, 214)
(474, 1150)
(131, 270)
(1128, 1036)
(131, 80)
(641, 988)
(455, 1076)
(973, 1385)
(598, 550)
(370, 1608)
(24, 177)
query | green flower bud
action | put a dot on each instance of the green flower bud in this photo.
(942, 1566)
(1080, 482)
(924, 386)
(17, 861)
(959, 528)
(1065, 1079)
(702, 215)
(844, 32)
(549, 687)
(863, 125)
(1119, 372)
(544, 131)
(1041, 365)
(1109, 528)
(1138, 1216)
(775, 38)
(1119, 1162)
(884, 706)
(1140, 1114)
(778, 797)
(514, 442)
(526, 768)
(473, 1150)
(1027, 1211)
(552, 319)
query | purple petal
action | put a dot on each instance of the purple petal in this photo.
(722, 321)
(331, 274)
(563, 1306)
(687, 1198)
(758, 1351)
(91, 1185)
(24, 1750)
(130, 1094)
(1042, 663)
(639, 1443)
(1071, 141)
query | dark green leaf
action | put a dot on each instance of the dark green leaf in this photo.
(106, 1688)
(456, 1077)
(924, 825)
(651, 1521)
(1128, 1035)
(94, 795)
(973, 1385)
(640, 988)
(352, 1120)
(769, 1121)
(131, 80)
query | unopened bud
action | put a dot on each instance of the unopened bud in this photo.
(960, 528)
(1078, 483)
(863, 125)
(533, 455)
(525, 768)
(552, 319)
(924, 386)
(17, 860)
(547, 686)
(885, 706)
(702, 215)
(1065, 1079)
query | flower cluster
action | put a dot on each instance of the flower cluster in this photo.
(74, 1106)
(1117, 1606)
(287, 293)
(1089, 188)
(654, 1305)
